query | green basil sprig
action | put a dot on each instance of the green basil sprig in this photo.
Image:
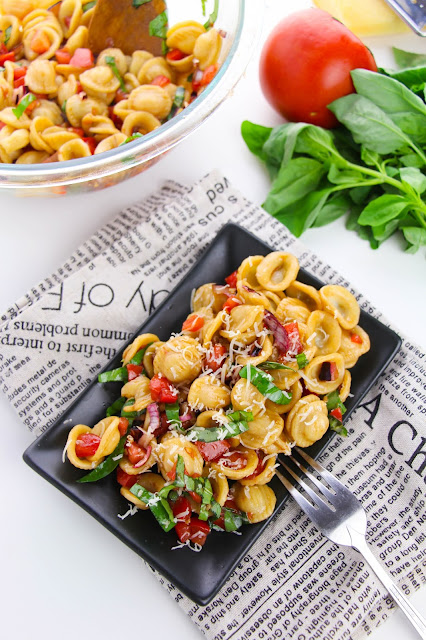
(264, 383)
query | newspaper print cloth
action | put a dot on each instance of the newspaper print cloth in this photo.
(293, 583)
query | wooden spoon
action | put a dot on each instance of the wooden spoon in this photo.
(118, 23)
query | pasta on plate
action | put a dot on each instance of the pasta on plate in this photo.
(59, 102)
(261, 364)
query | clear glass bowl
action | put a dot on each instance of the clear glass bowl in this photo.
(241, 21)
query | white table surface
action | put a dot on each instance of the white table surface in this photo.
(62, 574)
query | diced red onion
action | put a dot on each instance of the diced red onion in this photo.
(144, 459)
(278, 331)
(187, 416)
(154, 416)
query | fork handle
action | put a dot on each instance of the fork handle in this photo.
(359, 543)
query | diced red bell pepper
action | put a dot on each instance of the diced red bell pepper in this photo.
(212, 450)
(40, 42)
(193, 323)
(125, 479)
(337, 413)
(199, 530)
(134, 371)
(356, 338)
(82, 58)
(216, 356)
(161, 81)
(182, 509)
(86, 445)
(175, 54)
(162, 390)
(232, 279)
(63, 56)
(230, 303)
(122, 426)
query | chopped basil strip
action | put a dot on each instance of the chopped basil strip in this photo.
(7, 33)
(64, 106)
(108, 465)
(302, 360)
(212, 434)
(203, 6)
(189, 483)
(177, 102)
(139, 355)
(204, 512)
(19, 110)
(157, 505)
(134, 136)
(264, 383)
(115, 375)
(180, 472)
(116, 407)
(233, 521)
(208, 492)
(88, 5)
(216, 509)
(110, 60)
(158, 26)
(172, 413)
(337, 426)
(236, 416)
(167, 490)
(213, 16)
(334, 402)
(138, 3)
(131, 414)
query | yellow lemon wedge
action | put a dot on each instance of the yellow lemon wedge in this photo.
(364, 17)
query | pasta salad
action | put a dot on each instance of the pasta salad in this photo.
(262, 363)
(58, 101)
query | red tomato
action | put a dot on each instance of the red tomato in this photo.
(230, 303)
(234, 460)
(213, 450)
(161, 81)
(193, 323)
(199, 530)
(125, 479)
(337, 413)
(86, 445)
(356, 338)
(175, 54)
(305, 64)
(19, 72)
(91, 143)
(232, 279)
(120, 95)
(182, 509)
(182, 531)
(82, 58)
(215, 356)
(294, 344)
(162, 390)
(7, 56)
(63, 56)
(135, 453)
(259, 468)
(134, 371)
(122, 426)
(209, 74)
(195, 497)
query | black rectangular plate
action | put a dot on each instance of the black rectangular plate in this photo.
(198, 575)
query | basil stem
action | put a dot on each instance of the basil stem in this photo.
(264, 383)
(110, 60)
(115, 375)
(116, 407)
(108, 465)
(19, 110)
(213, 16)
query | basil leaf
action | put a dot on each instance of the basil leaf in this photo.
(389, 94)
(158, 26)
(177, 102)
(213, 434)
(232, 520)
(108, 465)
(408, 59)
(216, 509)
(264, 383)
(255, 136)
(213, 16)
(139, 355)
(383, 209)
(415, 236)
(208, 492)
(334, 401)
(7, 34)
(130, 414)
(414, 177)
(336, 206)
(369, 124)
(158, 506)
(180, 472)
(134, 136)
(19, 110)
(337, 426)
(172, 413)
(294, 181)
(88, 5)
(138, 3)
(302, 360)
(236, 416)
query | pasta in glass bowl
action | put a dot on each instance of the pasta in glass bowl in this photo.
(72, 122)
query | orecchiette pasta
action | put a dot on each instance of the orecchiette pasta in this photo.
(49, 72)
(253, 372)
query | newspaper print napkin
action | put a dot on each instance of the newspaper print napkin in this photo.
(293, 583)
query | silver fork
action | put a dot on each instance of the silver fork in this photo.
(340, 517)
